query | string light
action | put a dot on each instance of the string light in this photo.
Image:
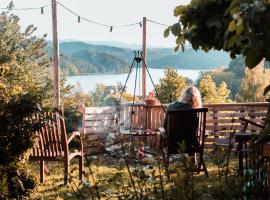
(94, 22)
(10, 5)
(79, 17)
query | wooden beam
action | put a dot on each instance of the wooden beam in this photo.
(144, 57)
(56, 70)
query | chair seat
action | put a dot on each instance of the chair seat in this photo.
(226, 142)
(243, 137)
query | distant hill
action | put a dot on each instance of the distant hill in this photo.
(190, 59)
(82, 57)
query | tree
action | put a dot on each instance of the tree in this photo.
(253, 84)
(223, 92)
(238, 27)
(232, 75)
(210, 92)
(25, 56)
(171, 86)
(207, 88)
(23, 85)
(101, 97)
(98, 95)
(17, 136)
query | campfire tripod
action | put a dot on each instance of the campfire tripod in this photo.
(138, 58)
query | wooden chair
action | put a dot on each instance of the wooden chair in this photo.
(185, 125)
(53, 145)
(229, 142)
(243, 137)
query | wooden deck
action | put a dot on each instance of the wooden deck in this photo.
(222, 119)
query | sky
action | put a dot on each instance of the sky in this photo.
(110, 12)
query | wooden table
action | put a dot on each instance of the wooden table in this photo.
(150, 137)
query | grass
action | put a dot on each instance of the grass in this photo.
(110, 174)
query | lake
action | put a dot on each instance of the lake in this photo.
(88, 82)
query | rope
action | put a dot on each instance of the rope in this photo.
(94, 22)
(155, 22)
(124, 87)
(152, 81)
(33, 8)
(134, 93)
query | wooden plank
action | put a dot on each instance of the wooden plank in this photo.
(59, 137)
(99, 110)
(219, 133)
(47, 148)
(97, 130)
(105, 123)
(223, 127)
(222, 105)
(223, 115)
(99, 117)
(230, 120)
(238, 108)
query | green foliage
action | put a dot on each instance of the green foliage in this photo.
(210, 92)
(232, 75)
(237, 66)
(101, 97)
(171, 86)
(232, 81)
(238, 27)
(24, 55)
(223, 92)
(17, 134)
(253, 84)
(23, 86)
(231, 185)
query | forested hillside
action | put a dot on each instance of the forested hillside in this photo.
(82, 58)
(244, 84)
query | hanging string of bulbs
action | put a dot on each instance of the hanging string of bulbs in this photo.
(11, 7)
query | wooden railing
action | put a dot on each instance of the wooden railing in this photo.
(222, 119)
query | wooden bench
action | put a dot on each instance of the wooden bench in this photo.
(52, 144)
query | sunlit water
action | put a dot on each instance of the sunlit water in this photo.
(87, 82)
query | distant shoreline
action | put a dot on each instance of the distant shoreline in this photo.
(88, 82)
(115, 73)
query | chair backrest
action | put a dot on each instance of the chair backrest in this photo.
(185, 125)
(52, 139)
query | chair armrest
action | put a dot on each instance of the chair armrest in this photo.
(163, 133)
(73, 135)
(251, 122)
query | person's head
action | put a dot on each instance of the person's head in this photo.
(191, 96)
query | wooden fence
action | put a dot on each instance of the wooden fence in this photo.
(222, 119)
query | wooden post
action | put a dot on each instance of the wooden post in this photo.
(56, 70)
(144, 57)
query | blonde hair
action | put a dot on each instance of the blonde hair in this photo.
(191, 96)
